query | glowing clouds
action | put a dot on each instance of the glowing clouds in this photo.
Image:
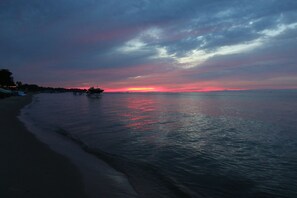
(148, 46)
(132, 46)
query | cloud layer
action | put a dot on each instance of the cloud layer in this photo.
(189, 45)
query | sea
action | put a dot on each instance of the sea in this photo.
(219, 144)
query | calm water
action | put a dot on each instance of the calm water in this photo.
(228, 144)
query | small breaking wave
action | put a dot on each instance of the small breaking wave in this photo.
(146, 180)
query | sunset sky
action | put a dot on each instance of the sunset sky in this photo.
(151, 45)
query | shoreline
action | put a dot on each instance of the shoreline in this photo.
(97, 177)
(103, 174)
(94, 176)
(28, 167)
(39, 164)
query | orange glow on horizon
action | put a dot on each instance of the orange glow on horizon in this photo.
(158, 89)
(141, 89)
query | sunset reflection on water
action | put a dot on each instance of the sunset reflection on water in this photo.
(197, 139)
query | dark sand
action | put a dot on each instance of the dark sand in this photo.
(28, 168)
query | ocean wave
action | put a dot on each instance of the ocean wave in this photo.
(146, 179)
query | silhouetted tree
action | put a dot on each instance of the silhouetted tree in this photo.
(19, 84)
(6, 78)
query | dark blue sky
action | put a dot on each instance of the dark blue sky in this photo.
(160, 45)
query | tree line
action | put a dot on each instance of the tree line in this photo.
(7, 82)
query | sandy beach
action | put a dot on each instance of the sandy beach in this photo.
(29, 168)
(45, 165)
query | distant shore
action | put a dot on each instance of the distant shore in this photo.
(28, 168)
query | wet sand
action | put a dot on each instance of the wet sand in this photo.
(28, 167)
(37, 164)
